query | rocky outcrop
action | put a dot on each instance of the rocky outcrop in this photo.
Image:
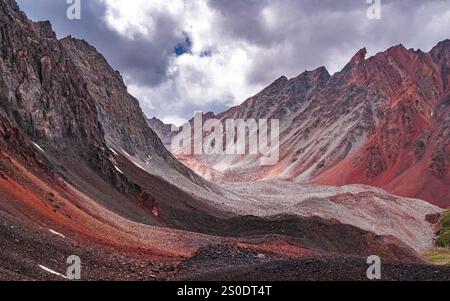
(118, 112)
(65, 113)
(42, 92)
(64, 96)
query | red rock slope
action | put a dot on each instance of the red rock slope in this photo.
(382, 121)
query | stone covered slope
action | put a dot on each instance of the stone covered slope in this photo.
(365, 207)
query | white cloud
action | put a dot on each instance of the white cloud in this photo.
(252, 43)
(214, 73)
(138, 16)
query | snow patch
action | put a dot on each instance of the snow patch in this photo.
(138, 165)
(113, 151)
(56, 233)
(118, 169)
(38, 147)
(126, 154)
(52, 272)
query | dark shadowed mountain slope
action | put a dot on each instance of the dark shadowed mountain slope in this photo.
(55, 109)
(65, 96)
(119, 113)
(42, 92)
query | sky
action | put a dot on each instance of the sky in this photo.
(182, 56)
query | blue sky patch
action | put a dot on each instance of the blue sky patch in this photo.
(184, 47)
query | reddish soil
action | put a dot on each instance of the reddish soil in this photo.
(113, 247)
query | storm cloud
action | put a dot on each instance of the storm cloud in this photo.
(179, 56)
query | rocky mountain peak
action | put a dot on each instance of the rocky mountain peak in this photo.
(9, 6)
(440, 54)
(64, 96)
(45, 29)
(317, 76)
(397, 49)
(359, 57)
(321, 72)
(276, 86)
(164, 131)
(441, 46)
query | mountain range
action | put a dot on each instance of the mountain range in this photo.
(382, 121)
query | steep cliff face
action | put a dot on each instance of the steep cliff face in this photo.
(119, 113)
(125, 125)
(381, 121)
(42, 92)
(65, 113)
(48, 116)
(65, 97)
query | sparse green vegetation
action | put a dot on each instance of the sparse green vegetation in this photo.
(445, 219)
(443, 239)
(439, 256)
